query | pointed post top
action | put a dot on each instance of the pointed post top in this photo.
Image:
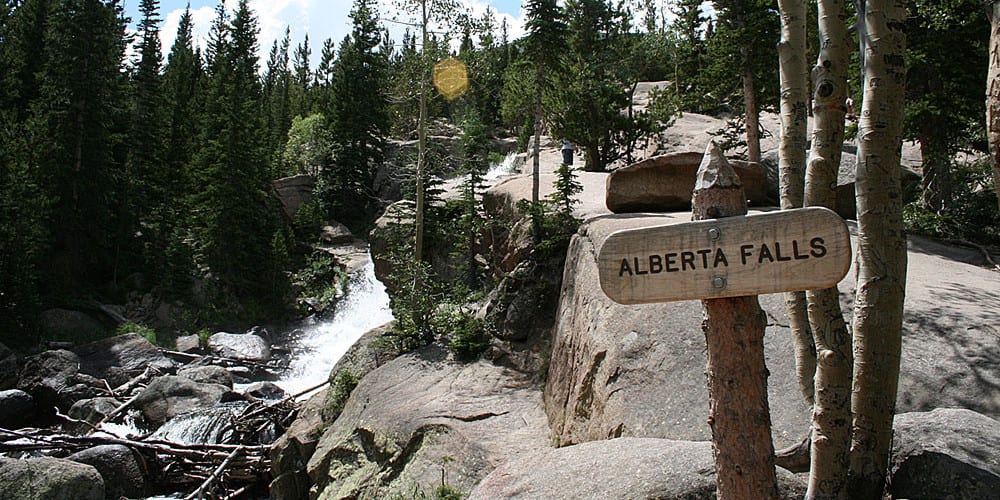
(715, 171)
(718, 191)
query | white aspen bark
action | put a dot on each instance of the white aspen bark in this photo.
(831, 429)
(993, 94)
(794, 77)
(881, 257)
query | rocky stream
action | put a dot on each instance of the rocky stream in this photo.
(123, 418)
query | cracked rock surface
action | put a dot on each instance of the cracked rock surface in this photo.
(421, 417)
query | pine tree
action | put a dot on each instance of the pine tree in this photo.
(147, 183)
(944, 89)
(277, 97)
(183, 84)
(302, 78)
(24, 206)
(323, 78)
(686, 33)
(595, 87)
(475, 151)
(544, 43)
(74, 128)
(359, 119)
(236, 225)
(745, 41)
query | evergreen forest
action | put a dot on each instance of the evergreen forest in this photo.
(125, 165)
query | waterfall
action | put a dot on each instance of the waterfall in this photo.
(208, 425)
(323, 343)
(506, 167)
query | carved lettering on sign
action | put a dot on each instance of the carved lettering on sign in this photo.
(761, 253)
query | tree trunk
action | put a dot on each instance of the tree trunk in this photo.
(536, 224)
(792, 166)
(831, 429)
(936, 185)
(993, 94)
(881, 257)
(753, 120)
(418, 244)
(737, 376)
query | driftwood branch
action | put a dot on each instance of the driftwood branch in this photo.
(114, 414)
(200, 492)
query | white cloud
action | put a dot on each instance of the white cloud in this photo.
(321, 19)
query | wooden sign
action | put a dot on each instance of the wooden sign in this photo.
(802, 249)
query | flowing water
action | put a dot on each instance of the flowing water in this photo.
(504, 168)
(324, 342)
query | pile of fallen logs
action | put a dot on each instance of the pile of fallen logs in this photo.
(211, 470)
(235, 464)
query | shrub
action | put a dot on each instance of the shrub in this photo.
(130, 327)
(469, 336)
(971, 215)
(342, 386)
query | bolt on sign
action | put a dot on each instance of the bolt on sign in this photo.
(790, 250)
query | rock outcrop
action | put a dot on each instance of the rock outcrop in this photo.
(9, 366)
(120, 468)
(945, 453)
(52, 378)
(49, 479)
(293, 192)
(419, 415)
(615, 468)
(17, 409)
(664, 184)
(638, 370)
(246, 346)
(169, 396)
(117, 359)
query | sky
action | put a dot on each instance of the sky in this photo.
(321, 19)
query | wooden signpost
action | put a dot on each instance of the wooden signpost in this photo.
(726, 258)
(803, 249)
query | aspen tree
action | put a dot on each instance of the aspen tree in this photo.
(881, 256)
(993, 94)
(831, 429)
(792, 165)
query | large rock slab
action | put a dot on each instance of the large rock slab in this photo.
(240, 346)
(501, 200)
(293, 192)
(49, 479)
(120, 358)
(664, 184)
(637, 370)
(168, 396)
(53, 380)
(616, 468)
(119, 466)
(421, 413)
(17, 409)
(945, 453)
